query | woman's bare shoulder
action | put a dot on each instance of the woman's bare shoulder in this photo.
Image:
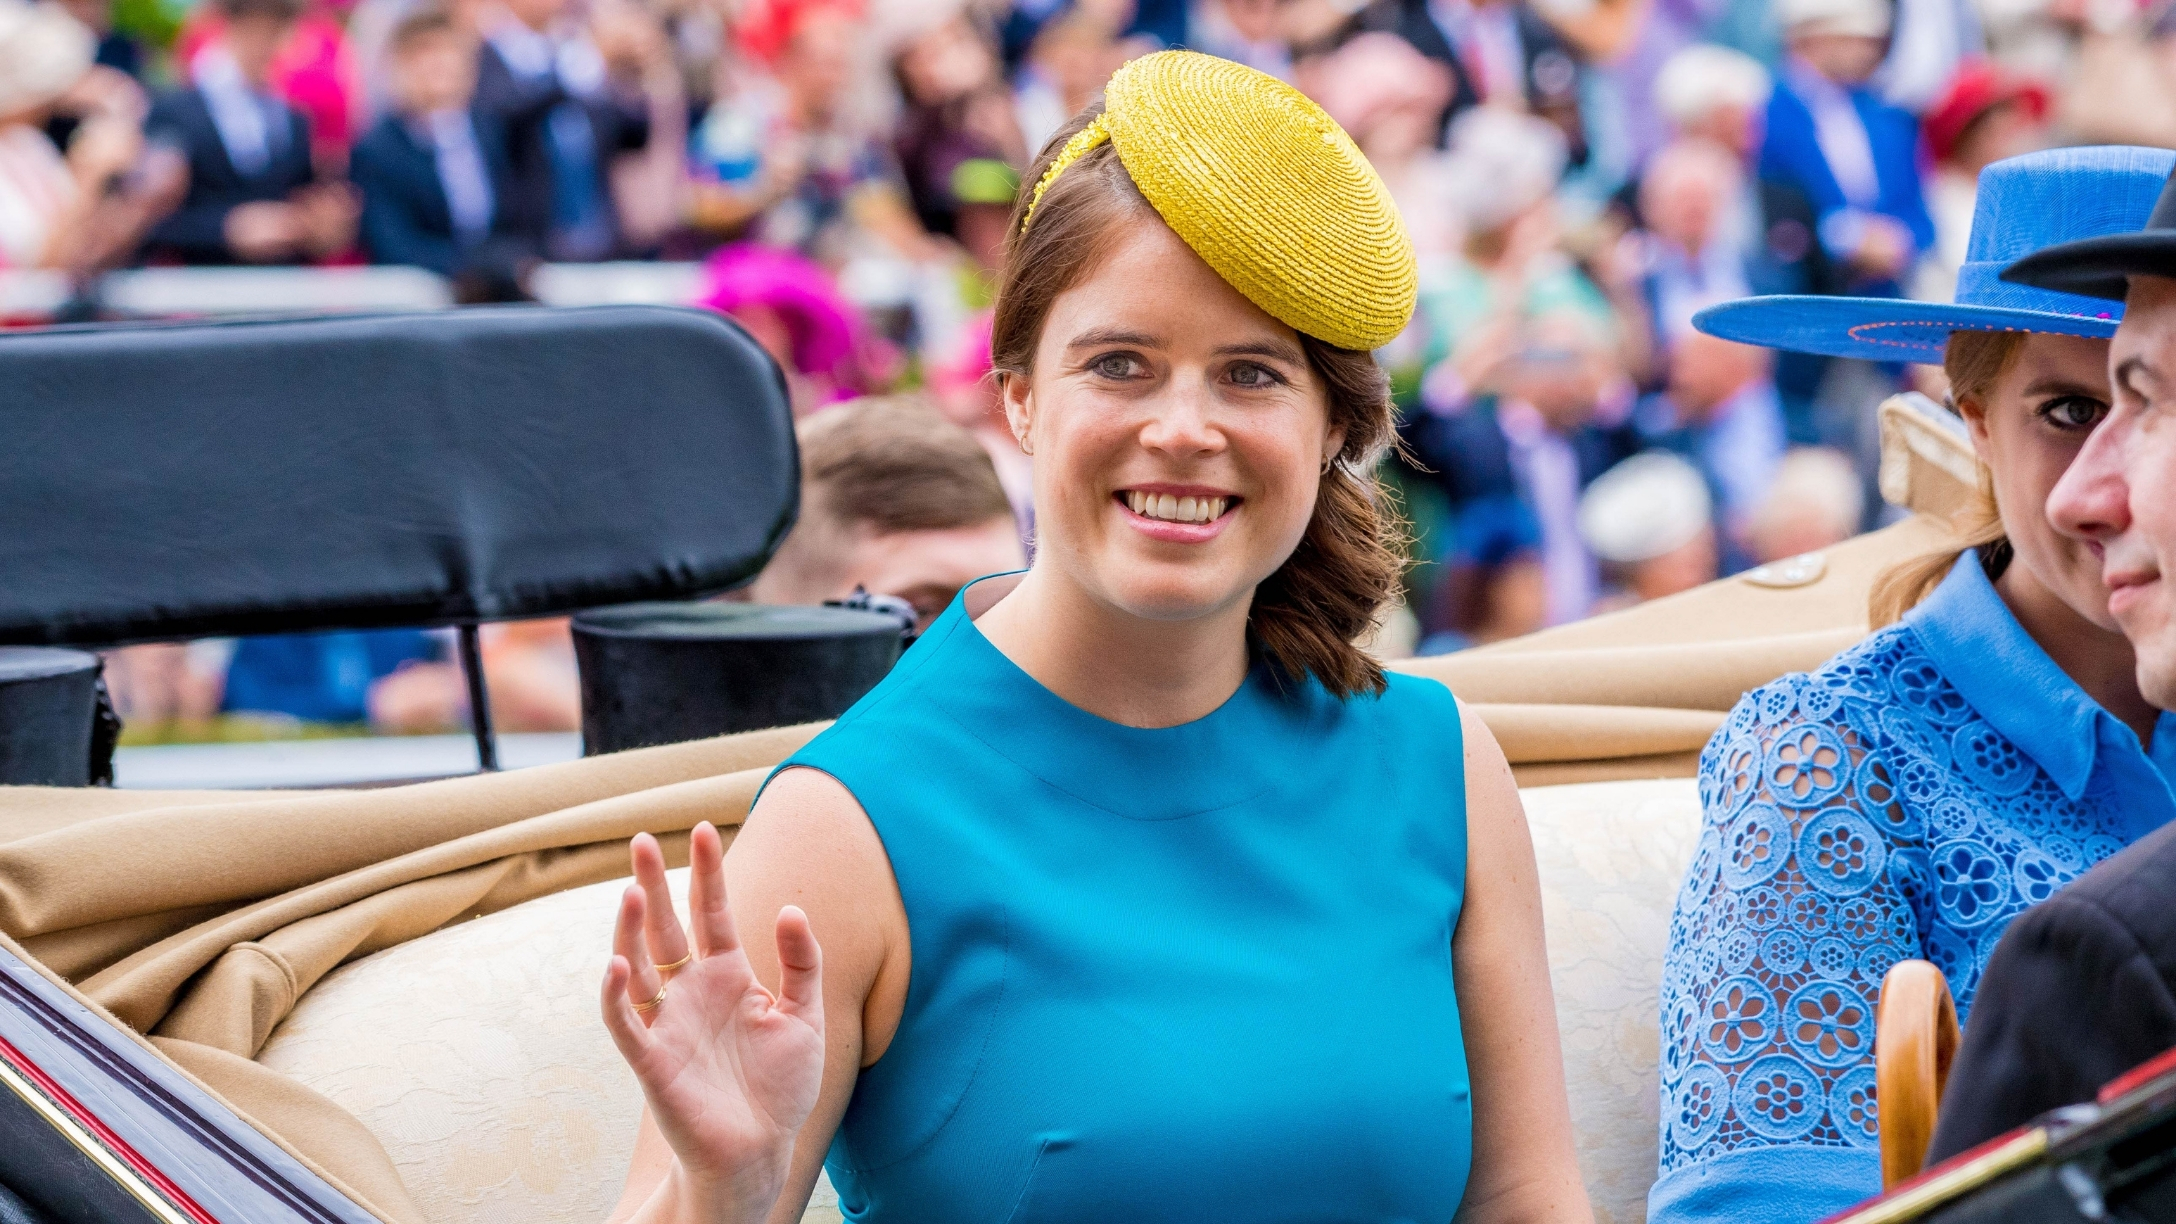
(807, 842)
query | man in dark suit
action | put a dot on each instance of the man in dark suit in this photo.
(432, 171)
(253, 194)
(2083, 986)
(1495, 49)
(564, 126)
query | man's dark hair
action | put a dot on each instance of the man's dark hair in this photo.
(423, 23)
(265, 10)
(894, 464)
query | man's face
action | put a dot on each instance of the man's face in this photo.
(2120, 492)
(925, 568)
(254, 40)
(1846, 59)
(434, 72)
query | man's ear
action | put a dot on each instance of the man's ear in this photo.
(1019, 408)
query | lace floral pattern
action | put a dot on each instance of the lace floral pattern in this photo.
(1854, 817)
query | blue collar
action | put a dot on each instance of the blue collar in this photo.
(2014, 685)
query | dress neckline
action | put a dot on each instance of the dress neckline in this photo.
(1139, 773)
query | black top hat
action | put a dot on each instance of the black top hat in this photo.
(2098, 267)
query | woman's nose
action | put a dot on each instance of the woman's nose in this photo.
(1180, 423)
(2093, 499)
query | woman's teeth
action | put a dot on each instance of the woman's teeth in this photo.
(1176, 509)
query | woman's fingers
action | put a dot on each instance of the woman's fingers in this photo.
(630, 944)
(668, 943)
(800, 967)
(620, 1018)
(707, 910)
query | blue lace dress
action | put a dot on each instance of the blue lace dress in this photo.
(1906, 800)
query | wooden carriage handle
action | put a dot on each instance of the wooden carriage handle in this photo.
(1915, 1039)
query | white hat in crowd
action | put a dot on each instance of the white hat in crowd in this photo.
(43, 51)
(1649, 505)
(1859, 18)
(1702, 77)
(1501, 163)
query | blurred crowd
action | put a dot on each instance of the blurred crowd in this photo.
(1580, 176)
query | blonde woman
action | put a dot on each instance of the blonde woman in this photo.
(1912, 795)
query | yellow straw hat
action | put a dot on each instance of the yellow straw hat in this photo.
(1265, 187)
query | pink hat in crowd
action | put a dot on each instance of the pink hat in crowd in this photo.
(967, 362)
(823, 330)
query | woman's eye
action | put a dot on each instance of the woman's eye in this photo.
(1248, 375)
(2074, 412)
(1112, 365)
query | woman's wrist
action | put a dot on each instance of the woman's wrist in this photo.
(745, 1195)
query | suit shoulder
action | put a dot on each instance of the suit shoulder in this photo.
(2128, 891)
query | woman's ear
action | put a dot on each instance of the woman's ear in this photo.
(1019, 408)
(1975, 423)
(1332, 446)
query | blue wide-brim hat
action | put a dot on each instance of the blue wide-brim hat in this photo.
(2023, 204)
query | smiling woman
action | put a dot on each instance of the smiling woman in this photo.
(1142, 892)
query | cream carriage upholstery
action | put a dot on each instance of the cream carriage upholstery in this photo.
(476, 1057)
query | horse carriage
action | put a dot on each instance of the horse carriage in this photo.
(379, 1004)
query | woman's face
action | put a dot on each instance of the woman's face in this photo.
(2036, 416)
(1178, 430)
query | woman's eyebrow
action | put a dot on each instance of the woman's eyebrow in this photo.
(1273, 349)
(2057, 385)
(1112, 335)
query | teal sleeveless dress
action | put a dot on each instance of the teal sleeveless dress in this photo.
(1190, 973)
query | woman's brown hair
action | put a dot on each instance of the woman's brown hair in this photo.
(1974, 361)
(1329, 592)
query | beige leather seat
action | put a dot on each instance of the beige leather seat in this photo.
(475, 1054)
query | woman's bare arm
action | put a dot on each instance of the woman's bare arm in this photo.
(1523, 1166)
(807, 844)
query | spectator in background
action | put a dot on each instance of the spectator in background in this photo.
(86, 209)
(958, 140)
(1984, 115)
(1250, 32)
(1688, 258)
(432, 170)
(1068, 60)
(896, 501)
(117, 49)
(310, 70)
(1648, 521)
(1721, 96)
(541, 78)
(1815, 500)
(253, 195)
(782, 161)
(1493, 587)
(1390, 99)
(1719, 411)
(324, 677)
(1499, 52)
(1513, 460)
(1855, 156)
(1502, 172)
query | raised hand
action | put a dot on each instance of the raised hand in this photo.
(730, 1071)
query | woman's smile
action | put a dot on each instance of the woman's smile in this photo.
(1180, 514)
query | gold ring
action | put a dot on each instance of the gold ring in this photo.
(682, 963)
(652, 1005)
